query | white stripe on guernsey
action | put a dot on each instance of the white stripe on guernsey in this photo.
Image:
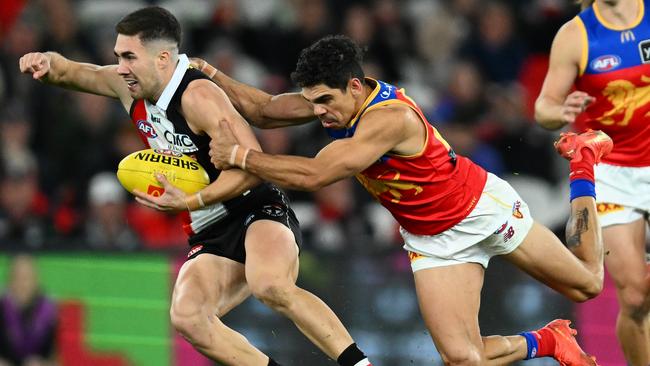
(363, 362)
(207, 216)
(170, 89)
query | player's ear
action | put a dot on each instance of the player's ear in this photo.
(164, 56)
(355, 86)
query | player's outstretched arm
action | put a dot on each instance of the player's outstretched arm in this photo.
(52, 68)
(261, 109)
(381, 133)
(555, 107)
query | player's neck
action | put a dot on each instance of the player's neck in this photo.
(165, 77)
(621, 13)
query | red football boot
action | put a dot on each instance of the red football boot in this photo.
(570, 144)
(567, 351)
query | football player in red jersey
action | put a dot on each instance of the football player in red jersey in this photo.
(604, 52)
(244, 236)
(454, 216)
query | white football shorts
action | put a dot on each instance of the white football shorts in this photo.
(496, 226)
(622, 193)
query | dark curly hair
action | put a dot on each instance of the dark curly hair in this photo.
(332, 60)
(151, 23)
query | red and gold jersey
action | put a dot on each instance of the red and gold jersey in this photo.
(615, 69)
(428, 192)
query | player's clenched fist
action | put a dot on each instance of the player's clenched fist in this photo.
(35, 63)
(574, 104)
(224, 149)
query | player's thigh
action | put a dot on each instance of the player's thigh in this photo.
(544, 256)
(271, 252)
(209, 282)
(625, 253)
(449, 299)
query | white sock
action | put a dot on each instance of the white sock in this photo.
(363, 362)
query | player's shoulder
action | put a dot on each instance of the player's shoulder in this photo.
(199, 89)
(571, 29)
(390, 111)
(389, 118)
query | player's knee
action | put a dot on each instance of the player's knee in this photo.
(275, 294)
(634, 302)
(187, 318)
(467, 355)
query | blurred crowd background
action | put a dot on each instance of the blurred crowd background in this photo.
(475, 67)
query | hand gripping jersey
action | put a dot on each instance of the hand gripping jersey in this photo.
(428, 192)
(615, 69)
(161, 126)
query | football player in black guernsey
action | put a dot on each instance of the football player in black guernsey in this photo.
(244, 237)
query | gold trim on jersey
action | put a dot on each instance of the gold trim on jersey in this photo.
(369, 99)
(584, 55)
(611, 26)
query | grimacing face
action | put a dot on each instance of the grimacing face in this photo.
(333, 107)
(137, 66)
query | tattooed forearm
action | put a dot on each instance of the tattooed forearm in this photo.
(577, 225)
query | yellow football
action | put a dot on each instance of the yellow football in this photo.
(136, 171)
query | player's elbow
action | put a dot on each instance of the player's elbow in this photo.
(588, 290)
(543, 117)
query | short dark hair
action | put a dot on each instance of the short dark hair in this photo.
(332, 60)
(151, 23)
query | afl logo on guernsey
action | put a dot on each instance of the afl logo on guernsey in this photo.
(606, 63)
(146, 129)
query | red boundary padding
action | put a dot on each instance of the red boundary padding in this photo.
(71, 343)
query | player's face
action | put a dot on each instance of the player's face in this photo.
(333, 107)
(137, 66)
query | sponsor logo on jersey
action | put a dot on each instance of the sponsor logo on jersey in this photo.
(508, 234)
(414, 256)
(273, 210)
(606, 63)
(515, 210)
(155, 119)
(195, 249)
(606, 208)
(155, 191)
(644, 50)
(178, 139)
(146, 129)
(503, 227)
(627, 36)
(386, 93)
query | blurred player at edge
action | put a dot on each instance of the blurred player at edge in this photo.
(244, 236)
(454, 216)
(604, 52)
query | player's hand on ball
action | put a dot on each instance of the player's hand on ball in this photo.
(172, 200)
(35, 63)
(221, 148)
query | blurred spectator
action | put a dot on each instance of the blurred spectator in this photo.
(526, 149)
(23, 207)
(464, 101)
(28, 318)
(494, 44)
(106, 224)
